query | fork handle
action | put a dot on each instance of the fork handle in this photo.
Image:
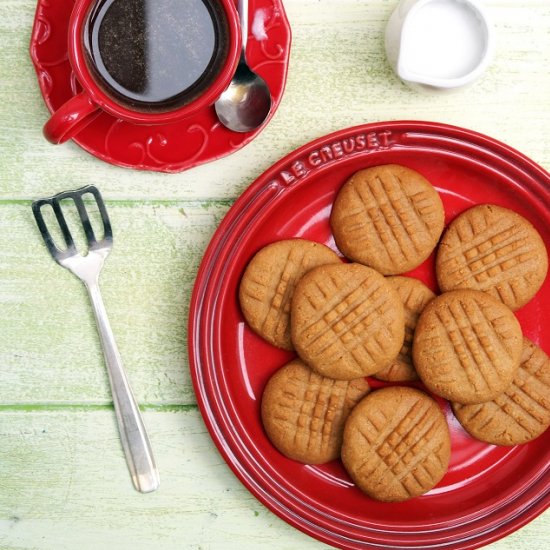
(133, 435)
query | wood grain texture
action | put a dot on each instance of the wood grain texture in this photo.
(68, 488)
(50, 349)
(63, 480)
(338, 77)
(64, 485)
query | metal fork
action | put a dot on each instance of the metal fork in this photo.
(133, 435)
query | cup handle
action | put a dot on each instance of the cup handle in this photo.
(72, 117)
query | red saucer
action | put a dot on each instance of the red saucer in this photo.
(169, 147)
(489, 491)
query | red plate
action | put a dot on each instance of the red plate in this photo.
(489, 491)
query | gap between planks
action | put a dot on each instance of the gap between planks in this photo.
(201, 202)
(54, 407)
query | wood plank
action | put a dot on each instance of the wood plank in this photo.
(338, 77)
(65, 486)
(63, 479)
(50, 350)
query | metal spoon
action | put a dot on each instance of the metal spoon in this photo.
(246, 103)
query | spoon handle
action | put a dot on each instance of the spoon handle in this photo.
(243, 18)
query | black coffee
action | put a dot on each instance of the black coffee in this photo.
(156, 55)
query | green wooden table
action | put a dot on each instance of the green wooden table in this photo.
(63, 478)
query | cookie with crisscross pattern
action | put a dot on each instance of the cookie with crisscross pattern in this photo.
(346, 321)
(467, 346)
(388, 217)
(415, 295)
(268, 284)
(495, 250)
(304, 413)
(396, 444)
(519, 414)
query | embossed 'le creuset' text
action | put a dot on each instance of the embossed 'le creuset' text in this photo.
(331, 152)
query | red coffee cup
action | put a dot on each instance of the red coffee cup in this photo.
(81, 109)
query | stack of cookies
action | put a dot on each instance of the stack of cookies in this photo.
(347, 321)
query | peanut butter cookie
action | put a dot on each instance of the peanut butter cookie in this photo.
(347, 321)
(495, 250)
(396, 444)
(268, 284)
(415, 295)
(387, 217)
(519, 414)
(467, 346)
(304, 413)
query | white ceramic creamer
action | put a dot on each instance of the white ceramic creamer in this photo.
(439, 45)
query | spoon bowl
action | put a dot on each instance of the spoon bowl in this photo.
(246, 103)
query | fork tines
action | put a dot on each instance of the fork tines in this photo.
(55, 202)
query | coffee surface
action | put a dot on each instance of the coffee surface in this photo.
(155, 54)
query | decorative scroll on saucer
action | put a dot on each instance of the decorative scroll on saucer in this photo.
(169, 147)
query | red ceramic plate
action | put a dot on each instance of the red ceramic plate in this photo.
(489, 491)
